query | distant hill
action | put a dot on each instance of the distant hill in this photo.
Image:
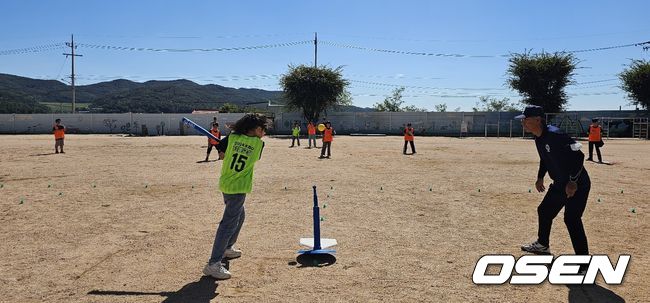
(19, 94)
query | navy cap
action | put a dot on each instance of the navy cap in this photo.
(531, 111)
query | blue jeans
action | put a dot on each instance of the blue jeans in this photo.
(310, 138)
(229, 227)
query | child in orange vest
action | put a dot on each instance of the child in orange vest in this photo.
(211, 142)
(311, 132)
(409, 133)
(59, 135)
(328, 137)
(595, 139)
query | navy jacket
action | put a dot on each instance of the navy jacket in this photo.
(560, 156)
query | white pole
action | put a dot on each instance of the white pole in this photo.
(510, 128)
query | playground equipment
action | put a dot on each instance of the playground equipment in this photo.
(640, 128)
(318, 255)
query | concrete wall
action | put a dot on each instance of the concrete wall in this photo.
(128, 123)
(449, 123)
(431, 123)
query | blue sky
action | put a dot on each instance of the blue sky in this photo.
(349, 33)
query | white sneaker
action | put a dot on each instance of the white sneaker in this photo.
(232, 253)
(536, 248)
(217, 271)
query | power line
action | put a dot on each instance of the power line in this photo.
(177, 50)
(453, 55)
(609, 47)
(598, 81)
(424, 87)
(33, 49)
(349, 46)
(393, 38)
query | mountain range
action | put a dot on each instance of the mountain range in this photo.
(27, 95)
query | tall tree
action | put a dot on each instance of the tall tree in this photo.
(541, 78)
(314, 90)
(413, 108)
(491, 104)
(442, 107)
(229, 108)
(636, 82)
(392, 103)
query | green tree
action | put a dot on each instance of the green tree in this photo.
(491, 104)
(229, 108)
(14, 103)
(413, 108)
(442, 107)
(636, 82)
(541, 78)
(314, 90)
(392, 103)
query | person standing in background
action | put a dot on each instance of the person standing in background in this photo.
(59, 135)
(595, 139)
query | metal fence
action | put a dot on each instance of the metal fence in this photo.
(489, 124)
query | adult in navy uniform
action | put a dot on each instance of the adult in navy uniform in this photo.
(561, 157)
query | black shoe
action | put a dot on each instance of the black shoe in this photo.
(590, 159)
(321, 157)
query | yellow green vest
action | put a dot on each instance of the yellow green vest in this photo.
(237, 167)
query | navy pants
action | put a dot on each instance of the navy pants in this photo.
(551, 205)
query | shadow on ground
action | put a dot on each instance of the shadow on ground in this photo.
(203, 290)
(592, 294)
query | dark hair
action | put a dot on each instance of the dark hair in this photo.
(249, 122)
(57, 120)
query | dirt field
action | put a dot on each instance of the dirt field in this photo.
(120, 219)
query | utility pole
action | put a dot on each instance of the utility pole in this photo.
(315, 50)
(72, 54)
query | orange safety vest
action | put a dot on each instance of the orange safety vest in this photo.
(408, 133)
(59, 131)
(311, 129)
(217, 134)
(594, 133)
(327, 135)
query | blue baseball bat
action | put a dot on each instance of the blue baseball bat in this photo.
(199, 129)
